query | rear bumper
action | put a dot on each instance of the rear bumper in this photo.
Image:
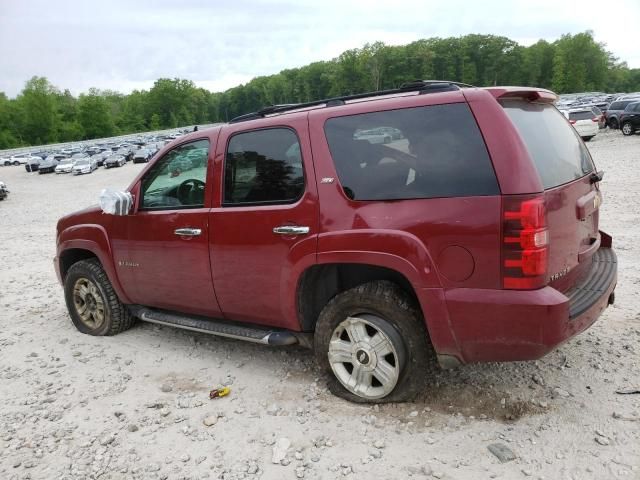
(510, 325)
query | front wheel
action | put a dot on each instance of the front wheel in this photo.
(613, 123)
(92, 303)
(627, 128)
(371, 340)
(586, 139)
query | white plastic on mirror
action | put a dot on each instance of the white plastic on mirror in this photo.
(113, 202)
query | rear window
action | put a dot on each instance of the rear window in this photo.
(581, 115)
(558, 152)
(423, 152)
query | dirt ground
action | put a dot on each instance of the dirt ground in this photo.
(135, 405)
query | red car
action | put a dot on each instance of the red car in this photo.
(472, 233)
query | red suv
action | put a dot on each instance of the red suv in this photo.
(376, 228)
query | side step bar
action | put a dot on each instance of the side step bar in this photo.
(215, 327)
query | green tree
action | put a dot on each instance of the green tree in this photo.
(38, 111)
(94, 115)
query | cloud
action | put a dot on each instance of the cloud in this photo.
(125, 45)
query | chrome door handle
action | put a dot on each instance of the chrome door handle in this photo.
(291, 230)
(188, 232)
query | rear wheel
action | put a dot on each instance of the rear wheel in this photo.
(627, 128)
(16, 163)
(372, 342)
(92, 303)
(613, 123)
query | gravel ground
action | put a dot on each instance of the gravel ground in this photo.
(136, 405)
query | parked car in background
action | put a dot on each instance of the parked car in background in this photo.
(599, 114)
(33, 164)
(630, 119)
(615, 110)
(126, 152)
(114, 160)
(141, 156)
(50, 163)
(84, 165)
(584, 121)
(65, 165)
(22, 159)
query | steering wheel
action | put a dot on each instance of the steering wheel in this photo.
(191, 192)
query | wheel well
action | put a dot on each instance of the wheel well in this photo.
(321, 283)
(71, 256)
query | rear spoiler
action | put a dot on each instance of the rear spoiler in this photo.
(524, 93)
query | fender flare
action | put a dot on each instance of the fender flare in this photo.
(92, 238)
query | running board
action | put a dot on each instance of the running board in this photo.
(215, 327)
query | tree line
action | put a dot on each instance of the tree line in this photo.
(42, 113)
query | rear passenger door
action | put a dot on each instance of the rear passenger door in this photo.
(263, 231)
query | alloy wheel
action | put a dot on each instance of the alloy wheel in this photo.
(366, 355)
(88, 303)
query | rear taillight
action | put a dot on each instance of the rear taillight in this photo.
(572, 122)
(595, 119)
(525, 242)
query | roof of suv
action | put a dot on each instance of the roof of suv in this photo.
(418, 87)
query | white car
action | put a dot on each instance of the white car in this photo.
(65, 166)
(84, 165)
(584, 121)
(23, 159)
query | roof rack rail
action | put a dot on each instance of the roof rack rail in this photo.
(421, 86)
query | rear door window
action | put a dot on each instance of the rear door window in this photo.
(558, 152)
(263, 167)
(423, 152)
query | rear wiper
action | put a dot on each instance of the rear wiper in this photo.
(596, 176)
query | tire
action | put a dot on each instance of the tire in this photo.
(379, 307)
(16, 163)
(107, 315)
(586, 139)
(613, 123)
(627, 128)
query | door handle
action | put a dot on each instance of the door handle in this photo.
(291, 230)
(188, 232)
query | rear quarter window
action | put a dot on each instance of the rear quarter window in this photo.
(422, 152)
(555, 147)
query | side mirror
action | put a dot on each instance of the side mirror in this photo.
(115, 203)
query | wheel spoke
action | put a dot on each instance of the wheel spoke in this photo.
(360, 378)
(356, 331)
(385, 373)
(380, 344)
(339, 351)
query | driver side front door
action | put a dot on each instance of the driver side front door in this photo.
(167, 265)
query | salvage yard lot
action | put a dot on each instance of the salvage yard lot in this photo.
(134, 405)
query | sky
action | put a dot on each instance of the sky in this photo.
(125, 45)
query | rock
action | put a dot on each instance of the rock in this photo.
(201, 459)
(132, 428)
(538, 379)
(602, 440)
(210, 420)
(622, 416)
(280, 450)
(166, 388)
(107, 440)
(165, 411)
(502, 452)
(559, 392)
(152, 467)
(185, 457)
(379, 444)
(273, 409)
(300, 472)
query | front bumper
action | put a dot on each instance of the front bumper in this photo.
(511, 325)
